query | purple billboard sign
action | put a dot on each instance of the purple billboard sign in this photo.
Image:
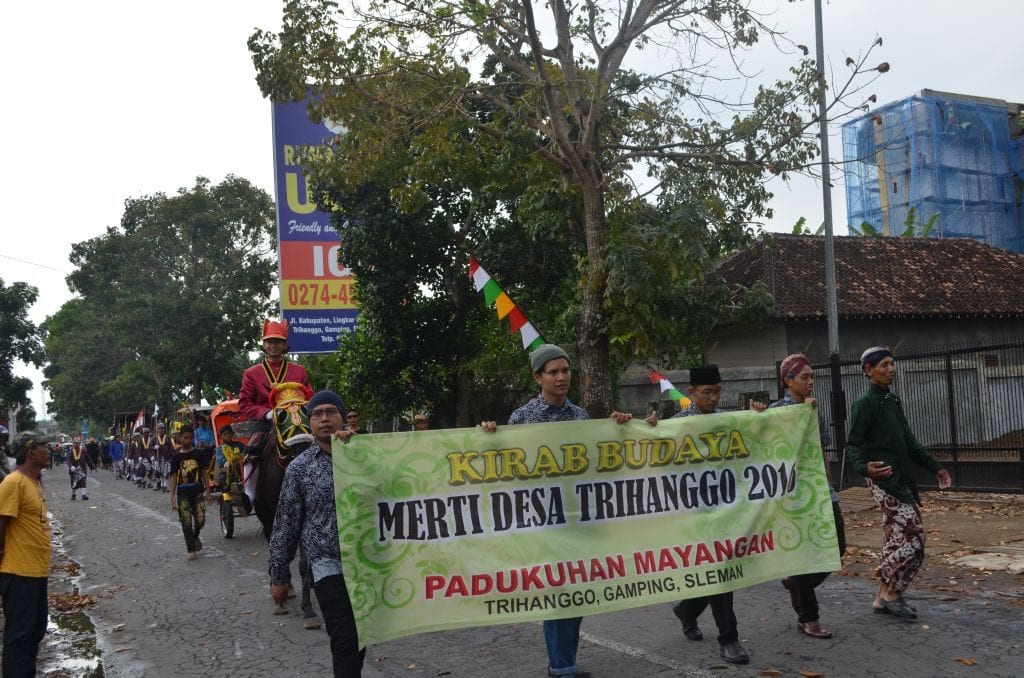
(317, 292)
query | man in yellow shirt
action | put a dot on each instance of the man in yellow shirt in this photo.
(24, 555)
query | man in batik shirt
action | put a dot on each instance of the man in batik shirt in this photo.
(553, 375)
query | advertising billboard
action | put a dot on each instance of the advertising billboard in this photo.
(317, 291)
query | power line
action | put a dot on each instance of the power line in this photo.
(32, 263)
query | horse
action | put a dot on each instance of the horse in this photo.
(280, 445)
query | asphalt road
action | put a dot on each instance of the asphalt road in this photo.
(158, 614)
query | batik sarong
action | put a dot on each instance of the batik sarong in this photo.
(903, 549)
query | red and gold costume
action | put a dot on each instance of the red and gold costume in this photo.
(259, 380)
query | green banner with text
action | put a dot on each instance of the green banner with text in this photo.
(457, 528)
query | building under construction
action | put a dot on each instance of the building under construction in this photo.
(955, 156)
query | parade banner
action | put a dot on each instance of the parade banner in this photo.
(457, 528)
(317, 292)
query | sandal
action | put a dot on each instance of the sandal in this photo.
(899, 608)
(813, 629)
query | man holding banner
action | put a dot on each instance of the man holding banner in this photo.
(306, 512)
(552, 373)
(705, 391)
(797, 377)
(459, 528)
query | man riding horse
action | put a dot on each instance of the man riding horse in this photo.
(274, 392)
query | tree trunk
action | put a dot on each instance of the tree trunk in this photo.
(592, 344)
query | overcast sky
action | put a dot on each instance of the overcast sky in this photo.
(119, 98)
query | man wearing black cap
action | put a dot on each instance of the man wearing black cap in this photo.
(552, 373)
(883, 450)
(25, 550)
(705, 391)
(306, 512)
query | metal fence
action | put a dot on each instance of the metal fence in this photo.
(965, 404)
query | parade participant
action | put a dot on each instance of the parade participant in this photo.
(134, 456)
(189, 481)
(117, 455)
(78, 469)
(884, 450)
(143, 464)
(164, 450)
(230, 454)
(306, 512)
(258, 380)
(705, 391)
(797, 377)
(552, 373)
(25, 551)
(92, 449)
(204, 432)
(106, 461)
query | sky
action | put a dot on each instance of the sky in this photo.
(116, 99)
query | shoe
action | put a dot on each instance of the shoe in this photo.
(73, 497)
(899, 608)
(85, 497)
(191, 555)
(578, 674)
(690, 629)
(199, 545)
(734, 653)
(792, 594)
(813, 629)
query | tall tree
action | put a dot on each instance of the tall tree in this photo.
(593, 119)
(170, 300)
(19, 341)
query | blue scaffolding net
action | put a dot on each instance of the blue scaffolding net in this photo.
(938, 156)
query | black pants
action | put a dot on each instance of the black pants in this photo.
(721, 608)
(804, 584)
(336, 608)
(24, 623)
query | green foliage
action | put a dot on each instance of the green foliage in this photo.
(911, 228)
(19, 341)
(170, 301)
(26, 417)
(404, 80)
(801, 228)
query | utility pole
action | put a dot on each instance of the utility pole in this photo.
(832, 306)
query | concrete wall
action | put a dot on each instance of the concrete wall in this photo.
(903, 334)
(748, 348)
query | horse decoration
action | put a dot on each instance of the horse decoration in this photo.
(290, 436)
(290, 421)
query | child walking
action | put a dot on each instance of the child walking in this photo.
(189, 479)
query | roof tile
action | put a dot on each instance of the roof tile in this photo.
(883, 277)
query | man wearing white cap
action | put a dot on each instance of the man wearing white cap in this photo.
(883, 450)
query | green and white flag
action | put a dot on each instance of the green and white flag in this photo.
(459, 528)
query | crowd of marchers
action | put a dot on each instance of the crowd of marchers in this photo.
(187, 462)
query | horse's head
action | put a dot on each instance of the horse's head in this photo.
(290, 421)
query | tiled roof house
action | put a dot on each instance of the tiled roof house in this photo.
(911, 292)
